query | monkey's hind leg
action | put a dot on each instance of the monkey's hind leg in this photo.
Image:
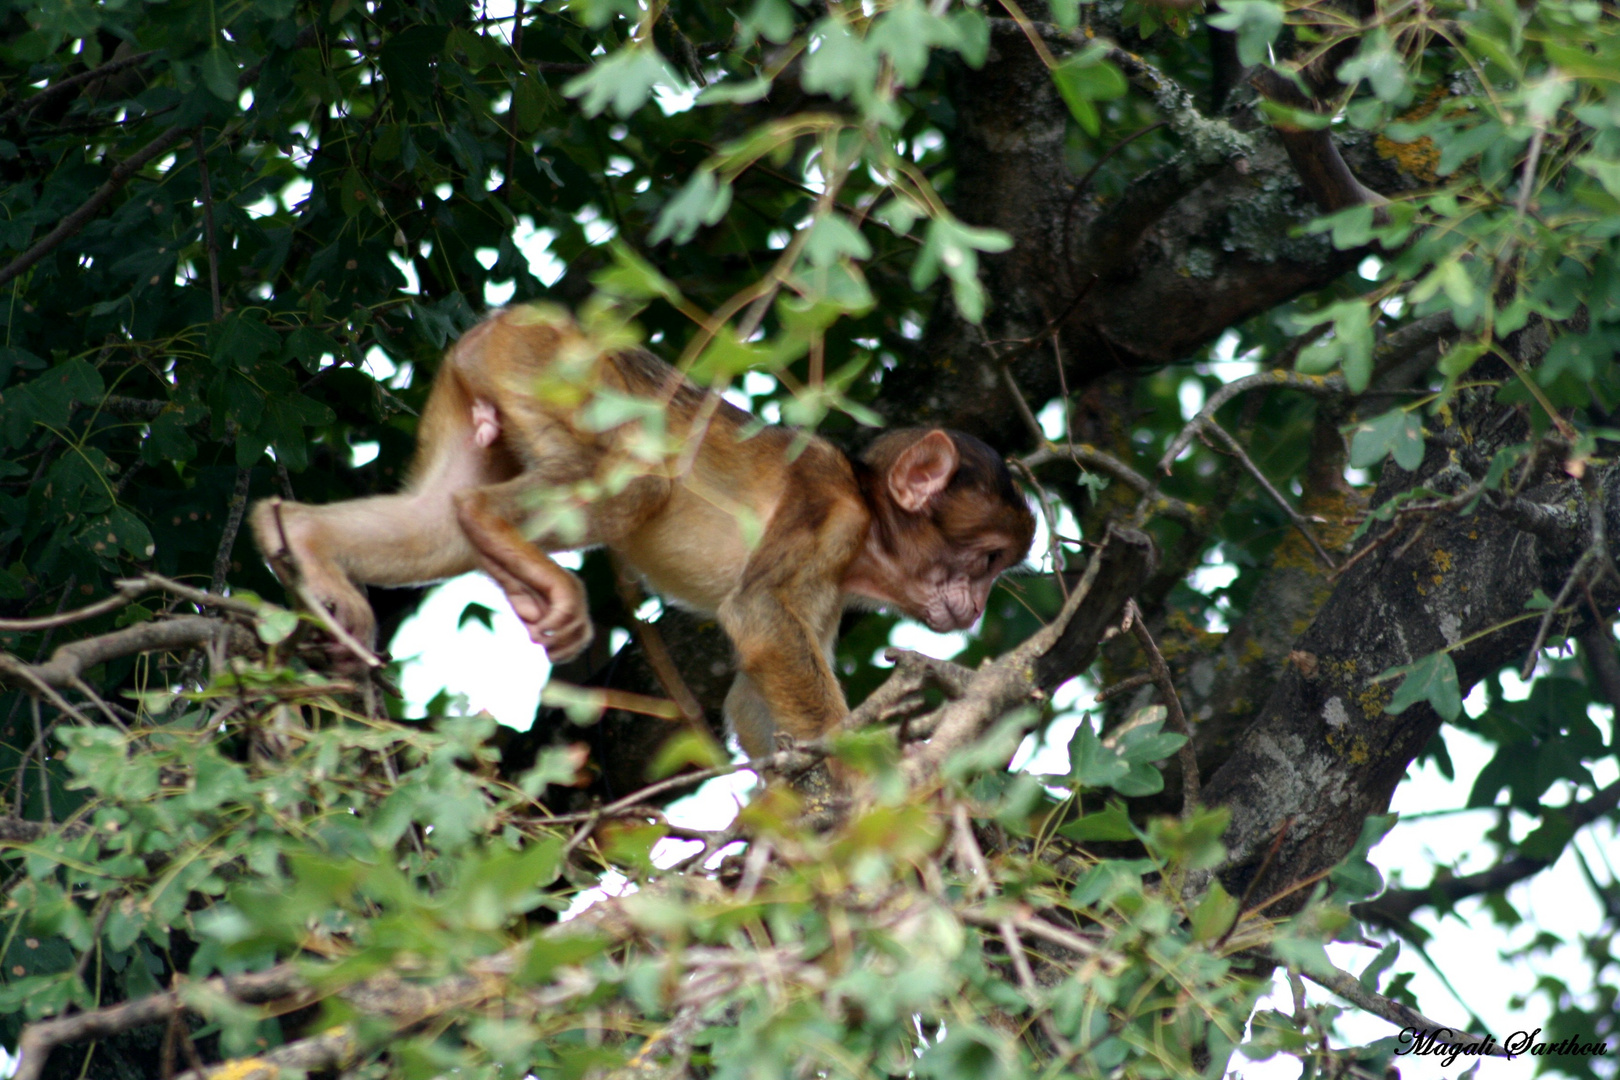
(549, 600)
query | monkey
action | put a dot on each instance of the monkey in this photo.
(770, 530)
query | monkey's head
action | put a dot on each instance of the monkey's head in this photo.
(946, 521)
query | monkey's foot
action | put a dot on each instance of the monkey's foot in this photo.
(550, 602)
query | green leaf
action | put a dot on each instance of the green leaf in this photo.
(623, 79)
(906, 33)
(1091, 764)
(735, 91)
(687, 747)
(219, 74)
(482, 614)
(1112, 823)
(1085, 77)
(953, 246)
(1432, 679)
(1139, 780)
(1396, 432)
(841, 64)
(1215, 914)
(725, 358)
(633, 277)
(1349, 347)
(1380, 64)
(1111, 878)
(770, 19)
(530, 103)
(1144, 742)
(274, 624)
(547, 954)
(242, 339)
(832, 238)
(1606, 171)
(1369, 976)
(704, 200)
(407, 60)
(1255, 22)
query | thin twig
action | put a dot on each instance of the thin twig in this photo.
(233, 525)
(1253, 470)
(212, 244)
(1090, 458)
(512, 133)
(968, 853)
(234, 604)
(72, 660)
(1544, 624)
(1350, 988)
(1024, 348)
(12, 666)
(44, 770)
(84, 688)
(1054, 546)
(1124, 686)
(1315, 385)
(63, 618)
(1160, 671)
(653, 647)
(1026, 978)
(1035, 926)
(111, 67)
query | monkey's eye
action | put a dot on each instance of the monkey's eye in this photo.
(990, 560)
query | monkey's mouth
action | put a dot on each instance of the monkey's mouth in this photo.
(947, 621)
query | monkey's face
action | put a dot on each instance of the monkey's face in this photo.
(950, 593)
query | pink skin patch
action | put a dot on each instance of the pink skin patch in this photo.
(486, 424)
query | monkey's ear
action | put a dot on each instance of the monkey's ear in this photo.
(922, 470)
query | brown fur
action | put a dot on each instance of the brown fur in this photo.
(925, 521)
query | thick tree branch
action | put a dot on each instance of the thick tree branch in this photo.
(1312, 151)
(70, 662)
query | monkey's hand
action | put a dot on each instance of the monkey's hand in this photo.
(551, 604)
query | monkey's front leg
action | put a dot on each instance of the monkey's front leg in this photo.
(548, 599)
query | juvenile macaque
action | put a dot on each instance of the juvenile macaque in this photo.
(516, 457)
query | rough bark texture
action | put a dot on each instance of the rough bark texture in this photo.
(1322, 753)
(1194, 247)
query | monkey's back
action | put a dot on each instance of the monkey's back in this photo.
(697, 514)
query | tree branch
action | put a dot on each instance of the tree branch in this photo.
(1349, 987)
(121, 175)
(1312, 151)
(111, 67)
(1050, 656)
(69, 662)
(1396, 906)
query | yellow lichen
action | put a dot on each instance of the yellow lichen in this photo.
(1372, 700)
(1421, 157)
(246, 1069)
